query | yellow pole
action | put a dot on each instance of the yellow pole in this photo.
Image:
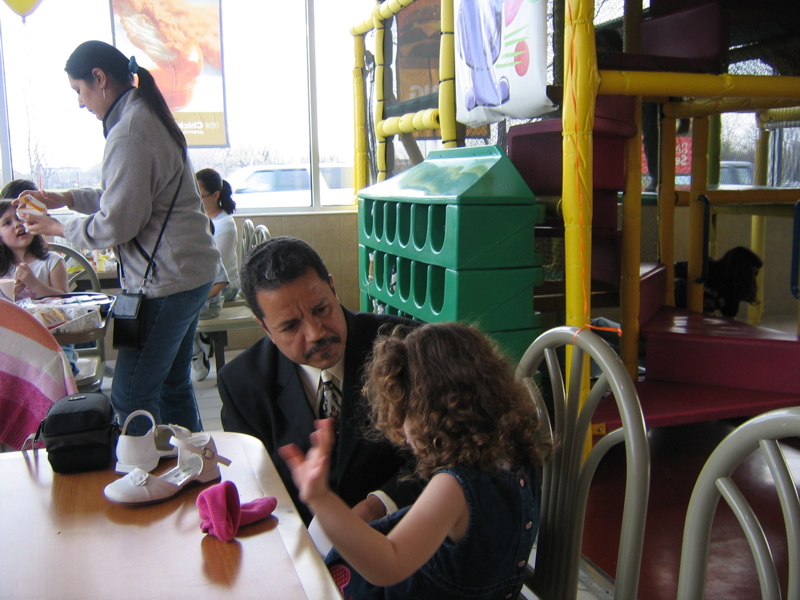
(380, 139)
(646, 83)
(631, 213)
(699, 178)
(758, 225)
(666, 206)
(447, 77)
(631, 248)
(580, 88)
(361, 161)
(779, 115)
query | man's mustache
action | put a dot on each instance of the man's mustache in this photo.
(320, 344)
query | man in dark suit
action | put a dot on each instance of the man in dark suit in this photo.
(272, 390)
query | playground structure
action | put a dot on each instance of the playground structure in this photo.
(690, 86)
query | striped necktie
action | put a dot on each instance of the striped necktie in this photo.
(331, 401)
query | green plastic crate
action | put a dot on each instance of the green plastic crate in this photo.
(460, 208)
(497, 299)
(452, 235)
(479, 175)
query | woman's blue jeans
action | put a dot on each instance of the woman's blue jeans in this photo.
(157, 377)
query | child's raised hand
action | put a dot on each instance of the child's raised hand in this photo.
(310, 472)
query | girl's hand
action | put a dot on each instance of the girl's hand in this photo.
(310, 472)
(44, 225)
(24, 277)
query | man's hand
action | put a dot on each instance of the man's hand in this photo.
(370, 509)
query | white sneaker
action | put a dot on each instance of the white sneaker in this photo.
(200, 366)
(203, 342)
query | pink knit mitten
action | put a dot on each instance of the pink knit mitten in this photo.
(221, 513)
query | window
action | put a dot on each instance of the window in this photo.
(282, 110)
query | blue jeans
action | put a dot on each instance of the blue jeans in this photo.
(157, 377)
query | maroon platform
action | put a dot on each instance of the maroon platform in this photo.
(701, 368)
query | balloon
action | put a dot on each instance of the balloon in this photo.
(23, 7)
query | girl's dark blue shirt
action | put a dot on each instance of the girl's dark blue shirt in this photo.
(489, 563)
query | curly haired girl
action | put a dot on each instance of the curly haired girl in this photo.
(446, 394)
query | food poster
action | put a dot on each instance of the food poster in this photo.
(501, 61)
(179, 42)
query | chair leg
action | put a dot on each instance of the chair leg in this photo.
(219, 339)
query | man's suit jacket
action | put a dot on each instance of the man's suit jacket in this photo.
(263, 396)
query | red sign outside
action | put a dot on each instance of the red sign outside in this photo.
(683, 156)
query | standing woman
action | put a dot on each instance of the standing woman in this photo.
(219, 206)
(145, 167)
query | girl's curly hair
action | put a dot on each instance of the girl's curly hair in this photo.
(38, 247)
(457, 397)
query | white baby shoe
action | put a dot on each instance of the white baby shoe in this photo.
(197, 461)
(144, 451)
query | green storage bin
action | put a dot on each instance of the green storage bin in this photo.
(515, 343)
(452, 235)
(497, 299)
(460, 208)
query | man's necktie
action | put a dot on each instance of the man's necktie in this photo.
(331, 401)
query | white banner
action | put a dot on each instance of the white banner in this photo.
(501, 60)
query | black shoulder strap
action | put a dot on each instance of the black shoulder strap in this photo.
(151, 258)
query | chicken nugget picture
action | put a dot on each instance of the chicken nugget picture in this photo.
(178, 37)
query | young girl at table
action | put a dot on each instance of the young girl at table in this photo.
(25, 258)
(443, 392)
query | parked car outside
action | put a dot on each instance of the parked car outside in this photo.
(289, 186)
(731, 172)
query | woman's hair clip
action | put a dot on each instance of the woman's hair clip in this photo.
(133, 66)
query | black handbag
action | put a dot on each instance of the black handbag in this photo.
(80, 433)
(129, 307)
(128, 316)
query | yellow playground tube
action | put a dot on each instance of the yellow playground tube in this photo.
(442, 118)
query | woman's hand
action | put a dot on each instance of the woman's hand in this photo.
(310, 472)
(44, 225)
(49, 199)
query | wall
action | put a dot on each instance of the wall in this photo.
(333, 235)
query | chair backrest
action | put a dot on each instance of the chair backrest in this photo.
(80, 267)
(84, 270)
(34, 373)
(759, 433)
(246, 240)
(568, 475)
(261, 235)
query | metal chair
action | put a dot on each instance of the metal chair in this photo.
(261, 235)
(246, 240)
(761, 432)
(92, 361)
(568, 474)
